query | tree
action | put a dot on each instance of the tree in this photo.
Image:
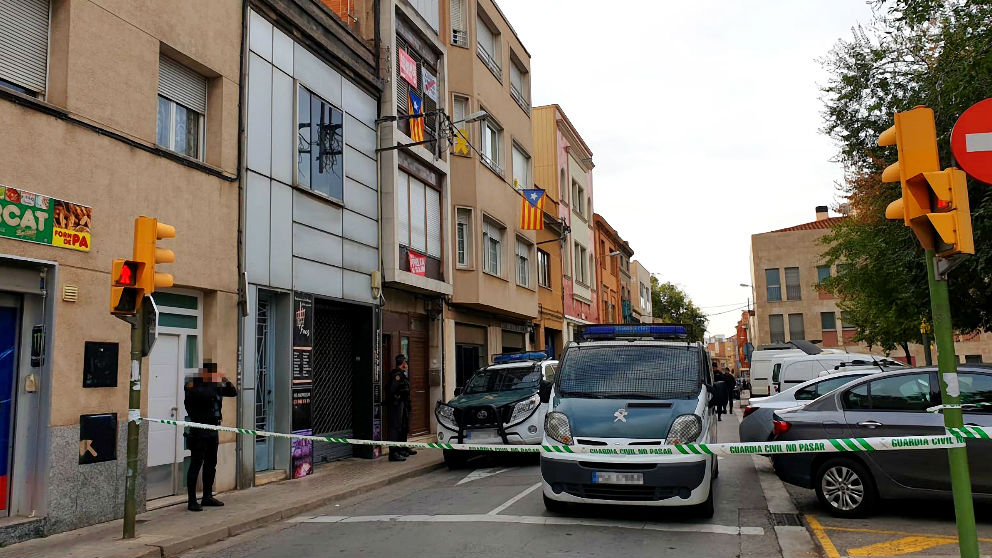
(931, 52)
(671, 304)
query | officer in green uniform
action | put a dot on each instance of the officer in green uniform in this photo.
(398, 402)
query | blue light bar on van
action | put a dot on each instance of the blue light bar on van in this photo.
(656, 331)
(519, 357)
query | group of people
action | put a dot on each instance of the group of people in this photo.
(724, 388)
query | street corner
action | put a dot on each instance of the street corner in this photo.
(837, 538)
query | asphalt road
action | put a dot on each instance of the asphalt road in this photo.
(495, 508)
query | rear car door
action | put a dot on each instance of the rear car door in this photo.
(896, 406)
(976, 387)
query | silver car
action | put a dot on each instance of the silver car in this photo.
(756, 426)
(888, 404)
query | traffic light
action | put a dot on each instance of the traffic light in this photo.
(934, 203)
(147, 232)
(126, 292)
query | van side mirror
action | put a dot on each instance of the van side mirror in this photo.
(458, 391)
(545, 391)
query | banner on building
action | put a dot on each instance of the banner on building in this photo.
(430, 83)
(408, 67)
(416, 106)
(532, 209)
(38, 218)
(302, 382)
(418, 263)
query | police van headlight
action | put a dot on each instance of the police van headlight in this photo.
(557, 428)
(523, 409)
(446, 416)
(685, 430)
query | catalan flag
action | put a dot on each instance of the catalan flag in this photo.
(532, 210)
(416, 106)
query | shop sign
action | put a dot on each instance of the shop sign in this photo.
(38, 218)
(418, 263)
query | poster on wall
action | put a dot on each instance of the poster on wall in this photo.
(408, 67)
(46, 220)
(430, 83)
(302, 454)
(302, 337)
(301, 407)
(418, 263)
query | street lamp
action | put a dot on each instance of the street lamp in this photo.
(474, 117)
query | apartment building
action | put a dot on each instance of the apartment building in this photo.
(640, 292)
(786, 266)
(552, 241)
(495, 299)
(612, 256)
(117, 111)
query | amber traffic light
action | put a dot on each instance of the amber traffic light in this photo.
(126, 292)
(147, 232)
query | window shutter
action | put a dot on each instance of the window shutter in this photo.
(521, 164)
(458, 34)
(182, 85)
(24, 43)
(403, 210)
(485, 38)
(418, 232)
(402, 100)
(458, 110)
(433, 223)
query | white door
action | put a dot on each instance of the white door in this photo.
(164, 401)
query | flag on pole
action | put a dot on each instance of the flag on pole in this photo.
(416, 106)
(532, 210)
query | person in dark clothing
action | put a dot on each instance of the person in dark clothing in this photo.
(398, 401)
(203, 401)
(731, 382)
(719, 400)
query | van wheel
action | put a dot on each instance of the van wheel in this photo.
(706, 509)
(845, 488)
(554, 506)
(716, 467)
(456, 459)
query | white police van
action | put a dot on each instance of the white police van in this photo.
(630, 386)
(503, 403)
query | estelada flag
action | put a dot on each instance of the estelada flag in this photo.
(532, 210)
(416, 106)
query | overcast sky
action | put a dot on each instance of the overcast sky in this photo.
(703, 118)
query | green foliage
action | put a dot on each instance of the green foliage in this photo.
(936, 53)
(673, 305)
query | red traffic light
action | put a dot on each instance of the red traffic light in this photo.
(126, 273)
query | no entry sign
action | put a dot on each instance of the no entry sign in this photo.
(971, 141)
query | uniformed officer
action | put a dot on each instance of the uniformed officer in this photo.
(398, 400)
(203, 404)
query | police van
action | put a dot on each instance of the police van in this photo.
(503, 403)
(630, 387)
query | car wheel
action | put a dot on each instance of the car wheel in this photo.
(554, 506)
(456, 459)
(716, 467)
(845, 488)
(706, 509)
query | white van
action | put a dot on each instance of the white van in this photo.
(793, 371)
(761, 366)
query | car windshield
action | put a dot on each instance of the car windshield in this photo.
(490, 380)
(631, 372)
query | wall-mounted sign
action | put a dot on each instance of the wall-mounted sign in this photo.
(38, 218)
(418, 263)
(408, 67)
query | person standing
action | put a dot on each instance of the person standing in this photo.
(731, 382)
(398, 401)
(719, 401)
(204, 403)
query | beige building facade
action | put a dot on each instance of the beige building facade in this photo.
(640, 292)
(113, 110)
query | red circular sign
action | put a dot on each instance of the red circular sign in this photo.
(971, 141)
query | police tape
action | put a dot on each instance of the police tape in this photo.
(953, 438)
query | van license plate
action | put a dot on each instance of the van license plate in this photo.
(618, 478)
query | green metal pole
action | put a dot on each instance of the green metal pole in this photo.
(947, 366)
(134, 406)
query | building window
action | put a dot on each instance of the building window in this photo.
(521, 168)
(797, 331)
(420, 66)
(24, 46)
(645, 296)
(822, 273)
(320, 145)
(566, 261)
(460, 110)
(578, 199)
(543, 268)
(459, 31)
(464, 234)
(776, 328)
(523, 263)
(563, 186)
(418, 223)
(828, 321)
(846, 321)
(973, 359)
(774, 285)
(489, 44)
(492, 243)
(492, 140)
(519, 83)
(182, 103)
(793, 289)
(581, 269)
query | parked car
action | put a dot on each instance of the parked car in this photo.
(763, 359)
(638, 385)
(503, 403)
(885, 404)
(756, 424)
(792, 371)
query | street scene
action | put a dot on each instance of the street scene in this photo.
(495, 277)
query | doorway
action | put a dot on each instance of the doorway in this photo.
(414, 346)
(468, 359)
(9, 326)
(264, 380)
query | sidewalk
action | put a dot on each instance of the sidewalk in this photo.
(172, 530)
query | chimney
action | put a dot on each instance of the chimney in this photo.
(821, 212)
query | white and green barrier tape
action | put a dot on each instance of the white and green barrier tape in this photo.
(954, 437)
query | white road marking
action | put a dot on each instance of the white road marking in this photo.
(480, 474)
(536, 520)
(515, 499)
(978, 142)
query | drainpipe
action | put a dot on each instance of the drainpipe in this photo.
(242, 479)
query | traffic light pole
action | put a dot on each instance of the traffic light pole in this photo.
(964, 509)
(134, 406)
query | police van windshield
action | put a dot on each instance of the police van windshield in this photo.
(631, 372)
(489, 380)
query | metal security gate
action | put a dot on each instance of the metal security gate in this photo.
(333, 380)
(264, 381)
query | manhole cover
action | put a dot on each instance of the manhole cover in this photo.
(787, 519)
